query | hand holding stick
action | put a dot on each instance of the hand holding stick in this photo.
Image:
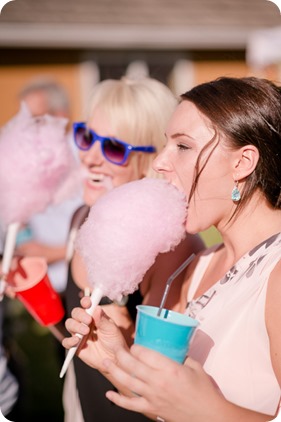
(96, 296)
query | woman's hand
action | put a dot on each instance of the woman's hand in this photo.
(120, 315)
(102, 337)
(163, 387)
(15, 269)
(173, 392)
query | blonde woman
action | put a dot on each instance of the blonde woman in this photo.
(123, 133)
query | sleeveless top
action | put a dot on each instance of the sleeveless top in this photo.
(231, 341)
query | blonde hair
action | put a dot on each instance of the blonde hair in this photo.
(138, 110)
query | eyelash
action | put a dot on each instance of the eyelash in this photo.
(183, 147)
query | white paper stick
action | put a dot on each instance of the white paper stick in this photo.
(96, 296)
(10, 242)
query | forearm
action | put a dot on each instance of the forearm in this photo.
(55, 253)
(231, 413)
(50, 252)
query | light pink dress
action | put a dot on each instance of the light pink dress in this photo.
(232, 342)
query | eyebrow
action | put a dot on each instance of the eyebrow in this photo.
(179, 134)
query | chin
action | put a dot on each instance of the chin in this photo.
(191, 229)
(90, 198)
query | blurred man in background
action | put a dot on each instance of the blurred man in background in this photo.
(46, 233)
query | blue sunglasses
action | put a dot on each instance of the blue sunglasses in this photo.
(113, 150)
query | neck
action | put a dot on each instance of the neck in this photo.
(254, 224)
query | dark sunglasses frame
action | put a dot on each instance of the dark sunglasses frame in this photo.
(104, 140)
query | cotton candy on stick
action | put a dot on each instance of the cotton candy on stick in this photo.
(36, 166)
(125, 231)
(35, 162)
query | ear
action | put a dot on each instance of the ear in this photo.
(245, 162)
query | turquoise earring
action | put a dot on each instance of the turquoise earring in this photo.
(235, 194)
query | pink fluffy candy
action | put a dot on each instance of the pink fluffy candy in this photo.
(125, 231)
(36, 165)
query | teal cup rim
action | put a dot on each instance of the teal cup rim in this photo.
(182, 319)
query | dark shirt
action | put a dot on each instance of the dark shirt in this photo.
(91, 385)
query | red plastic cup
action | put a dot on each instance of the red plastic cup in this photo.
(33, 288)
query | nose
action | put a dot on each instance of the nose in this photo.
(161, 163)
(94, 156)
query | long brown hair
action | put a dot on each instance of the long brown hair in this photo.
(248, 112)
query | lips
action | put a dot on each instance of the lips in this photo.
(99, 180)
(96, 177)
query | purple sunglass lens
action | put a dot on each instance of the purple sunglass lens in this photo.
(84, 138)
(113, 150)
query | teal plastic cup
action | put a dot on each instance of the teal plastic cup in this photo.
(169, 334)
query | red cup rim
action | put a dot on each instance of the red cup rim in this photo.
(41, 273)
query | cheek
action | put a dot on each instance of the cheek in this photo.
(185, 181)
(81, 155)
(214, 180)
(215, 184)
(125, 174)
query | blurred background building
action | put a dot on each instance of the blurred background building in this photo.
(180, 42)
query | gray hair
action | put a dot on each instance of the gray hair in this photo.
(56, 97)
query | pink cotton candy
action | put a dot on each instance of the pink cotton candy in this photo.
(37, 166)
(125, 231)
